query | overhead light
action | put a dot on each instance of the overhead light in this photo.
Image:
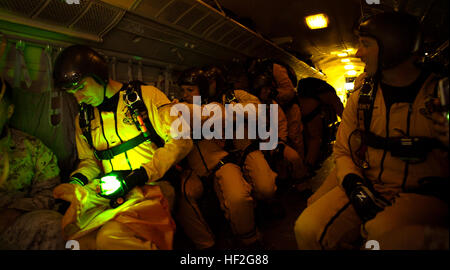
(317, 21)
(346, 60)
(349, 67)
(350, 51)
(349, 86)
(351, 72)
(342, 54)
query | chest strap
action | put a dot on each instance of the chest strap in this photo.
(140, 118)
(405, 148)
(119, 149)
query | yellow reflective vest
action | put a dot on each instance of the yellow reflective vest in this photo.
(109, 129)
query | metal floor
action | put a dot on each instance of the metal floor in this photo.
(279, 234)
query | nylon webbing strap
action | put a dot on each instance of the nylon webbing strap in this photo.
(230, 158)
(86, 115)
(423, 144)
(154, 137)
(119, 149)
(366, 103)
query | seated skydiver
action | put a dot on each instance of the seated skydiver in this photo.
(212, 169)
(320, 107)
(256, 169)
(120, 197)
(284, 159)
(391, 157)
(285, 81)
(28, 173)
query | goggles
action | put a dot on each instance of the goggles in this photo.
(72, 82)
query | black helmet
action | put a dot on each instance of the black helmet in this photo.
(214, 72)
(263, 80)
(256, 66)
(313, 87)
(291, 73)
(265, 65)
(397, 35)
(218, 74)
(77, 62)
(194, 76)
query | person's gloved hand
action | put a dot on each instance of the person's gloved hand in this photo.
(114, 185)
(366, 201)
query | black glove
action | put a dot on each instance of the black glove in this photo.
(366, 201)
(122, 185)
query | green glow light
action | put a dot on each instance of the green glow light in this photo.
(109, 184)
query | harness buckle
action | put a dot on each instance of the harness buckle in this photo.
(131, 98)
(406, 141)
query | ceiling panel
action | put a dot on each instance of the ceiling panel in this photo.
(21, 6)
(60, 12)
(188, 20)
(174, 10)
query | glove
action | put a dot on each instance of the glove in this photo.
(366, 201)
(78, 179)
(114, 185)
